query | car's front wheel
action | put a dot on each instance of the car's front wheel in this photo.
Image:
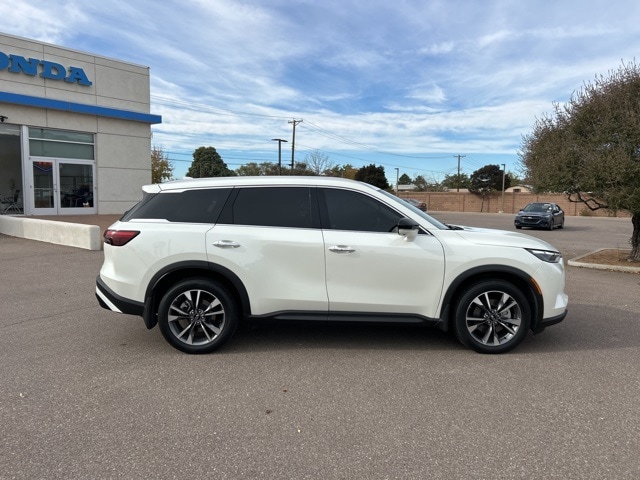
(492, 316)
(197, 315)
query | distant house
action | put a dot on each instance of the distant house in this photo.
(455, 190)
(518, 189)
(406, 188)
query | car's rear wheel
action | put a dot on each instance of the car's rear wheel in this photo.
(197, 315)
(492, 316)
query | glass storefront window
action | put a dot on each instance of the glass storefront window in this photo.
(43, 184)
(45, 142)
(76, 185)
(63, 170)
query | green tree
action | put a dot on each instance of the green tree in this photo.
(456, 181)
(300, 168)
(373, 175)
(404, 179)
(590, 147)
(421, 183)
(342, 171)
(488, 179)
(255, 169)
(208, 163)
(161, 167)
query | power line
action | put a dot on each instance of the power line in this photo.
(313, 126)
(342, 139)
(308, 125)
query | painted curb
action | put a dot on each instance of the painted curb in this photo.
(575, 262)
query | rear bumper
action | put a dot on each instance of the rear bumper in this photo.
(111, 301)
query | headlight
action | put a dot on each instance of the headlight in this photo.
(546, 255)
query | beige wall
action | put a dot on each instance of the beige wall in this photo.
(123, 147)
(513, 202)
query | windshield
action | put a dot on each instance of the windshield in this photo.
(436, 223)
(537, 207)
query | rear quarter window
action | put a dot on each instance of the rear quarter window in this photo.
(188, 206)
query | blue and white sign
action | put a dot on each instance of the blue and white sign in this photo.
(43, 68)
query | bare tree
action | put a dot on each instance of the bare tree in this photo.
(318, 162)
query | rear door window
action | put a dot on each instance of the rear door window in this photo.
(293, 207)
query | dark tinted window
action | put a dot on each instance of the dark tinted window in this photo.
(348, 210)
(273, 207)
(189, 206)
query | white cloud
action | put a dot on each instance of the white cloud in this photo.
(400, 77)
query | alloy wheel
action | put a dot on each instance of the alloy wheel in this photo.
(493, 318)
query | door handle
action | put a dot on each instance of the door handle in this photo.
(226, 244)
(342, 249)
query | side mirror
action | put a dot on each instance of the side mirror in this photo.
(408, 228)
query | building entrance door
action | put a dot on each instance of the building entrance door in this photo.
(62, 186)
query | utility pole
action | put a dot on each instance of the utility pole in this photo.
(504, 173)
(279, 140)
(293, 141)
(459, 157)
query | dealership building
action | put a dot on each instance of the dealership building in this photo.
(75, 130)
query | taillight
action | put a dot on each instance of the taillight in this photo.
(118, 238)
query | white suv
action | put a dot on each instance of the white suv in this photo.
(197, 256)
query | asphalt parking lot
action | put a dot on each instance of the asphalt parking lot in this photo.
(88, 394)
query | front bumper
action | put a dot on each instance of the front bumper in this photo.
(532, 222)
(546, 322)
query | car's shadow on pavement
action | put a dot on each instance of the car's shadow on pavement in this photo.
(586, 327)
(294, 335)
(570, 228)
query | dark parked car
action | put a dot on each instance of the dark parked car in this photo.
(417, 203)
(540, 215)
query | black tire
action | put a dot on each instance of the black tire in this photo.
(551, 224)
(197, 315)
(492, 316)
(518, 227)
(561, 226)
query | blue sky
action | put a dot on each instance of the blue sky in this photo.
(403, 84)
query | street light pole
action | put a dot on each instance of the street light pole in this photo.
(279, 140)
(397, 179)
